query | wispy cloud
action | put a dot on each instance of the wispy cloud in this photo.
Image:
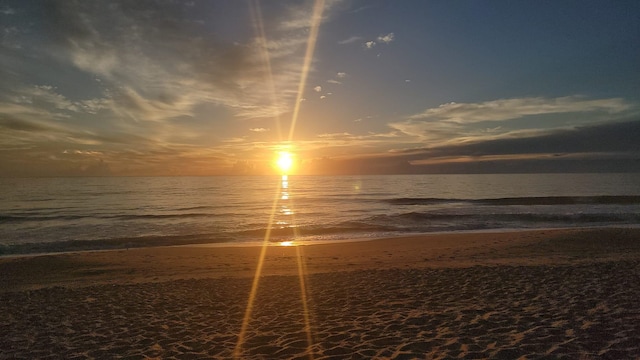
(41, 107)
(7, 11)
(456, 123)
(362, 8)
(609, 146)
(161, 78)
(350, 40)
(369, 44)
(131, 48)
(506, 109)
(602, 138)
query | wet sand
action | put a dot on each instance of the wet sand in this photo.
(538, 294)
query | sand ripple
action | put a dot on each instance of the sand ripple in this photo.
(571, 311)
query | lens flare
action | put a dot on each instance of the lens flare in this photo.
(284, 162)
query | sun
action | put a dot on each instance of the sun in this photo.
(284, 162)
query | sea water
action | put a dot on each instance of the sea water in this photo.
(52, 214)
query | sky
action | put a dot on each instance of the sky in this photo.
(163, 88)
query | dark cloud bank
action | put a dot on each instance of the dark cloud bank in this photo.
(612, 147)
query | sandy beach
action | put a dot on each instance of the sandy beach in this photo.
(529, 295)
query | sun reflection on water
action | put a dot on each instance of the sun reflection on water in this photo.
(282, 223)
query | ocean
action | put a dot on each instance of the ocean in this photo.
(68, 214)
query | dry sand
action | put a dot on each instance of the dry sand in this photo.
(538, 294)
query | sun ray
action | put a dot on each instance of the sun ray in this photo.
(256, 17)
(311, 45)
(237, 352)
(284, 163)
(302, 271)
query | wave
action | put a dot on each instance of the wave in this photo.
(22, 218)
(409, 222)
(314, 230)
(428, 216)
(202, 207)
(37, 218)
(429, 222)
(158, 216)
(543, 200)
(111, 244)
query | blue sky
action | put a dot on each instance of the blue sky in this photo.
(212, 87)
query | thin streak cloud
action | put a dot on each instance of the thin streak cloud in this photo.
(506, 109)
(350, 40)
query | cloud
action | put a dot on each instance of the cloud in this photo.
(7, 11)
(617, 137)
(430, 131)
(339, 75)
(386, 38)
(350, 40)
(299, 16)
(362, 8)
(455, 124)
(133, 47)
(317, 88)
(382, 39)
(42, 105)
(336, 136)
(83, 152)
(611, 147)
(17, 124)
(171, 74)
(323, 97)
(41, 96)
(507, 109)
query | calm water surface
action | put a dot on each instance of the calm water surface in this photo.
(47, 214)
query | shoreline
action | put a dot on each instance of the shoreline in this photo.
(429, 250)
(302, 242)
(206, 241)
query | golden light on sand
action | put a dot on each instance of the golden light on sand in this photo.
(284, 162)
(287, 243)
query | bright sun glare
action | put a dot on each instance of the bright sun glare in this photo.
(284, 161)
